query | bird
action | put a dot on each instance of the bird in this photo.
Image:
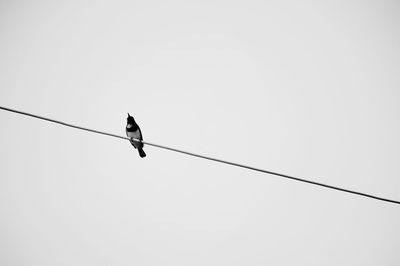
(133, 132)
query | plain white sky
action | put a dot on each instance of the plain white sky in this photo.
(306, 88)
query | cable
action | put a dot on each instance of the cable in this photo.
(206, 157)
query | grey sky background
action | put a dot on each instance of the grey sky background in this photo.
(306, 88)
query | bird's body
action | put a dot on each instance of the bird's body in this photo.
(133, 132)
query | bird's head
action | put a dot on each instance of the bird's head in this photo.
(130, 119)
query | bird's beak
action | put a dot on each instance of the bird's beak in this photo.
(128, 114)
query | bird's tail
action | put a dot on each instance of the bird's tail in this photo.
(141, 152)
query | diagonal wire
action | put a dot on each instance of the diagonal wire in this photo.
(206, 157)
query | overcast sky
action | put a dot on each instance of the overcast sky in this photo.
(305, 88)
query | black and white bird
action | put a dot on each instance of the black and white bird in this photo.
(133, 132)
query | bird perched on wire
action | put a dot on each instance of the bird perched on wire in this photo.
(133, 132)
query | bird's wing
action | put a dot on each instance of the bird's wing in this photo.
(140, 134)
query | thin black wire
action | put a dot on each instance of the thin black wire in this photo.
(206, 157)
